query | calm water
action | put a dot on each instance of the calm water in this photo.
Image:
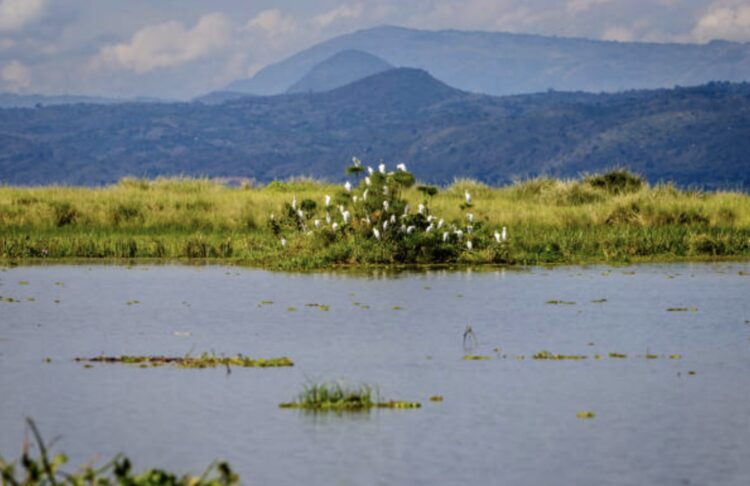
(503, 421)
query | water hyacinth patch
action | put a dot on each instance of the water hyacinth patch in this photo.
(372, 223)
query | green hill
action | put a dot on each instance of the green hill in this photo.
(692, 136)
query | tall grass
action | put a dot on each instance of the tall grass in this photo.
(548, 220)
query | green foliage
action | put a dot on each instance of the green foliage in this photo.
(377, 225)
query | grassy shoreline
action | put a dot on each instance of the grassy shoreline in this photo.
(197, 220)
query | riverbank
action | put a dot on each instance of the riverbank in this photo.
(547, 222)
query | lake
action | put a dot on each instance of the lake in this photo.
(680, 419)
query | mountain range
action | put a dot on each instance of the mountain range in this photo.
(692, 136)
(502, 63)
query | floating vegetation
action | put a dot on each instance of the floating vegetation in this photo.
(651, 356)
(133, 302)
(30, 299)
(691, 373)
(682, 309)
(23, 282)
(552, 356)
(9, 300)
(266, 302)
(396, 308)
(291, 308)
(476, 357)
(324, 308)
(436, 398)
(343, 398)
(205, 360)
(585, 414)
(618, 355)
(57, 301)
(598, 301)
(45, 470)
(560, 302)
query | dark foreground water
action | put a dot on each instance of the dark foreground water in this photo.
(504, 421)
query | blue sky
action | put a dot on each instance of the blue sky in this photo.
(181, 48)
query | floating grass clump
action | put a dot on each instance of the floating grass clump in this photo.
(682, 309)
(343, 398)
(476, 357)
(205, 360)
(560, 302)
(586, 414)
(542, 355)
(46, 470)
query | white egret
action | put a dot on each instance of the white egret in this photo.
(470, 216)
(376, 233)
(401, 167)
(348, 186)
(328, 200)
(497, 237)
(368, 181)
(504, 236)
(467, 196)
(328, 218)
(317, 223)
(429, 228)
(346, 216)
(469, 229)
(393, 219)
(441, 223)
(335, 226)
(445, 236)
(283, 242)
(381, 168)
(459, 233)
(469, 245)
(420, 209)
(370, 171)
(294, 203)
(410, 230)
(385, 206)
(356, 162)
(355, 199)
(300, 214)
(406, 210)
(385, 225)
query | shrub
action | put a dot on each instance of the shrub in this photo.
(617, 181)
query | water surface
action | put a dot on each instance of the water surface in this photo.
(503, 421)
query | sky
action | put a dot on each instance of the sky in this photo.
(177, 49)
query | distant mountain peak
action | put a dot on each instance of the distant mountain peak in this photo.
(342, 68)
(399, 86)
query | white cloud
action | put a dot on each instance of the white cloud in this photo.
(575, 6)
(619, 34)
(17, 14)
(16, 76)
(340, 12)
(728, 20)
(167, 44)
(271, 22)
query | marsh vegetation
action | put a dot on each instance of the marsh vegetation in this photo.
(613, 217)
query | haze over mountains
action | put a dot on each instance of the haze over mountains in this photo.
(502, 63)
(689, 135)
